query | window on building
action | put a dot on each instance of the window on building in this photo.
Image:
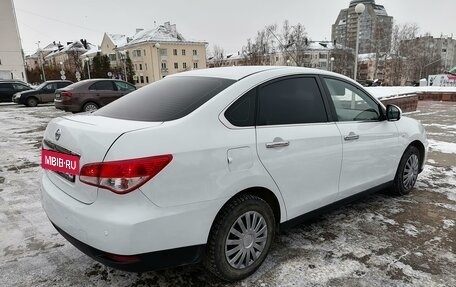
(144, 52)
(175, 52)
(145, 66)
(147, 79)
(163, 65)
(183, 52)
(176, 66)
(136, 66)
(195, 65)
(140, 67)
(195, 52)
(184, 65)
(112, 57)
(163, 52)
(323, 56)
(142, 79)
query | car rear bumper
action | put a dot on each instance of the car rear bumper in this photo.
(128, 224)
(141, 262)
(61, 105)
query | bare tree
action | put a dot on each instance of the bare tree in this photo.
(400, 62)
(258, 51)
(217, 55)
(294, 42)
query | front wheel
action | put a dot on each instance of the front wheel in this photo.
(240, 238)
(407, 172)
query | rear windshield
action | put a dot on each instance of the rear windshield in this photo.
(165, 100)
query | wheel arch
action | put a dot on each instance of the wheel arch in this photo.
(420, 146)
(32, 97)
(263, 193)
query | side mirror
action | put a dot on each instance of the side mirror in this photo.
(393, 113)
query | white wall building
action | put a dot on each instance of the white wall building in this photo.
(11, 56)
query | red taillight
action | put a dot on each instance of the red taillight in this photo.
(123, 176)
(68, 94)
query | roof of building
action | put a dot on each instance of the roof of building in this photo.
(92, 51)
(356, 2)
(118, 39)
(72, 46)
(162, 33)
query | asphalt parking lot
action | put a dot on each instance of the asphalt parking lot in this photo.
(380, 240)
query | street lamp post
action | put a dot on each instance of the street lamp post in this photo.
(62, 72)
(332, 64)
(40, 61)
(157, 45)
(427, 65)
(88, 66)
(359, 9)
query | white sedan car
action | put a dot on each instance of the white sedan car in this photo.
(208, 165)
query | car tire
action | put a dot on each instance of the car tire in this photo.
(407, 172)
(89, 107)
(240, 238)
(31, 102)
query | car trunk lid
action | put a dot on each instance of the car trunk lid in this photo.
(88, 137)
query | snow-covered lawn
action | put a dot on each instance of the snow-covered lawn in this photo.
(387, 92)
(378, 241)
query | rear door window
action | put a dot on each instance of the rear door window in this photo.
(165, 100)
(102, 86)
(20, 87)
(291, 101)
(242, 112)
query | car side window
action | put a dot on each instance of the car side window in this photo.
(351, 103)
(50, 87)
(124, 87)
(242, 112)
(62, 85)
(291, 101)
(6, 87)
(102, 86)
(20, 87)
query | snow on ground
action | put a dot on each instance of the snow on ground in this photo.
(380, 240)
(386, 92)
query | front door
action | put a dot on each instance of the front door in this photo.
(371, 149)
(299, 148)
(47, 93)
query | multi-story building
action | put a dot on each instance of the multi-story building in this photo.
(439, 54)
(109, 46)
(322, 55)
(375, 27)
(11, 55)
(68, 56)
(162, 51)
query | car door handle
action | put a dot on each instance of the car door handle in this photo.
(351, 137)
(277, 144)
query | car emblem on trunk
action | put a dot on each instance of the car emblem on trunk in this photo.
(58, 133)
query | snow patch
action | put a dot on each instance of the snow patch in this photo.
(410, 230)
(441, 146)
(448, 223)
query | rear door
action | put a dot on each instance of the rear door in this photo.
(47, 93)
(6, 92)
(371, 149)
(298, 144)
(104, 92)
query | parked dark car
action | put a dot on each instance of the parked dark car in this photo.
(44, 93)
(90, 95)
(9, 87)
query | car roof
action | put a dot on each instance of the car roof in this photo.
(240, 72)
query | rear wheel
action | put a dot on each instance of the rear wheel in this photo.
(240, 238)
(89, 107)
(31, 102)
(407, 172)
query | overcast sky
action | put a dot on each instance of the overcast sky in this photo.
(226, 23)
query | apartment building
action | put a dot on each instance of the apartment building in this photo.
(375, 27)
(162, 51)
(109, 46)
